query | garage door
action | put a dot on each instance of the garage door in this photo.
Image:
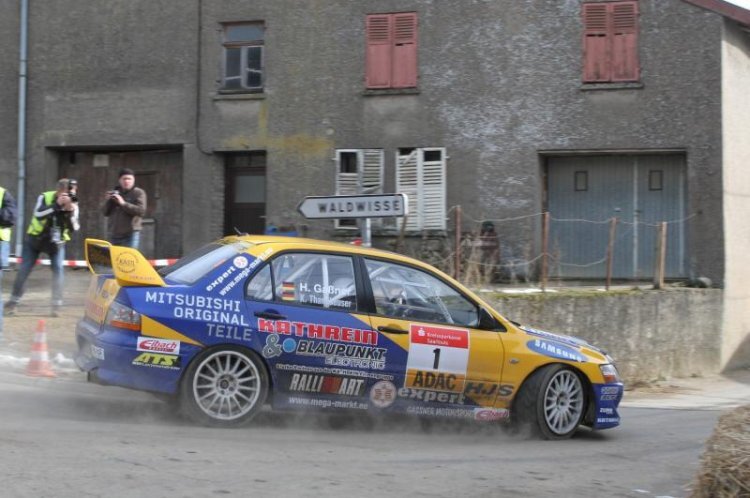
(584, 192)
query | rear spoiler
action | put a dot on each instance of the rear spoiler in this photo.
(127, 265)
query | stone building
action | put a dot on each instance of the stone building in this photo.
(232, 111)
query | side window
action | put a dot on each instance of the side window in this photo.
(319, 280)
(261, 286)
(410, 294)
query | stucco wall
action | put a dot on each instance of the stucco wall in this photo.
(736, 127)
(651, 334)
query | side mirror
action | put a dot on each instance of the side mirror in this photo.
(488, 322)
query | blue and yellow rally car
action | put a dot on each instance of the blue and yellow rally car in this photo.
(307, 324)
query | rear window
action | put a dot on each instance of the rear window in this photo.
(194, 266)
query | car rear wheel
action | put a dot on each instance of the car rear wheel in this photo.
(552, 402)
(224, 387)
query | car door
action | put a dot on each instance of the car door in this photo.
(305, 308)
(448, 359)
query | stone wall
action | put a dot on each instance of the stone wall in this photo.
(651, 334)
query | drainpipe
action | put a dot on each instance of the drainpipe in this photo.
(22, 125)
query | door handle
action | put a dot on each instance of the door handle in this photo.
(392, 330)
(269, 315)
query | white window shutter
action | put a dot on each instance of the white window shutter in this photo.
(433, 191)
(371, 178)
(346, 183)
(407, 182)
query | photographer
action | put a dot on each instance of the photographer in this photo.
(125, 206)
(55, 217)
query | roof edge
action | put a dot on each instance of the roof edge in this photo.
(726, 9)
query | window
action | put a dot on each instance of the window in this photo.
(581, 181)
(610, 42)
(420, 174)
(318, 280)
(391, 50)
(243, 57)
(358, 171)
(197, 265)
(407, 293)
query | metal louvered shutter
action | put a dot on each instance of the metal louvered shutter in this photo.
(433, 189)
(407, 182)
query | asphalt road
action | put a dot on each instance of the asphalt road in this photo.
(63, 437)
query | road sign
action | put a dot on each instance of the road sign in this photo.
(354, 206)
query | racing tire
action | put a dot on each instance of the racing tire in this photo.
(224, 387)
(551, 403)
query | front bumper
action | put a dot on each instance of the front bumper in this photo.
(607, 398)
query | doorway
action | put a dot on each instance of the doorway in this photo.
(245, 193)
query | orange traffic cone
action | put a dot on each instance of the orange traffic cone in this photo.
(39, 364)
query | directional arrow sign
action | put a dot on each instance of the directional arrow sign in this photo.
(354, 206)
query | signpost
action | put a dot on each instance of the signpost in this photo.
(355, 206)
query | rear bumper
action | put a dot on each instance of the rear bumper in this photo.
(110, 356)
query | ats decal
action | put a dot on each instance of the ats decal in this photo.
(326, 384)
(157, 361)
(555, 350)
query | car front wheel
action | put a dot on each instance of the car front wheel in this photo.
(224, 387)
(552, 402)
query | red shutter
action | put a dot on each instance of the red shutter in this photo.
(405, 50)
(596, 65)
(625, 66)
(379, 46)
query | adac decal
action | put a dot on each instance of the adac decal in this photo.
(204, 308)
(435, 381)
(326, 384)
(382, 394)
(555, 350)
(438, 358)
(318, 331)
(337, 354)
(157, 361)
(488, 389)
(431, 396)
(157, 345)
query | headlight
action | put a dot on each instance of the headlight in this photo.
(609, 372)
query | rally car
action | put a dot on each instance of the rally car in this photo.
(308, 324)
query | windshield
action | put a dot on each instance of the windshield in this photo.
(194, 266)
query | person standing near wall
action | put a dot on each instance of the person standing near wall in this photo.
(7, 220)
(125, 207)
(55, 217)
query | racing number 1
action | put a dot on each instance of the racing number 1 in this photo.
(437, 358)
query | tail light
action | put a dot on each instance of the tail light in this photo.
(123, 317)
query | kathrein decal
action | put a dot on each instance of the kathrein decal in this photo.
(318, 331)
(555, 350)
(158, 345)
